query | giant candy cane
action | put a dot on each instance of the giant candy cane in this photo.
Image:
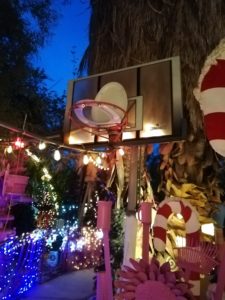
(192, 226)
(165, 210)
(210, 94)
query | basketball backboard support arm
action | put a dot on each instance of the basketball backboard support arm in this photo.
(154, 92)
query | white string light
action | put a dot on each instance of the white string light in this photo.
(121, 152)
(9, 149)
(85, 159)
(57, 155)
(41, 146)
(98, 160)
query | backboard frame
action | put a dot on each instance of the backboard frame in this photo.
(178, 123)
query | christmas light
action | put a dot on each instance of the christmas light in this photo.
(46, 175)
(99, 234)
(46, 204)
(29, 153)
(98, 160)
(57, 155)
(19, 144)
(85, 159)
(35, 158)
(20, 265)
(9, 149)
(20, 262)
(41, 146)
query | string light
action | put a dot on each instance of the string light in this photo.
(9, 149)
(98, 160)
(85, 159)
(21, 257)
(57, 155)
(20, 264)
(29, 153)
(19, 144)
(41, 146)
(121, 151)
(46, 175)
(35, 158)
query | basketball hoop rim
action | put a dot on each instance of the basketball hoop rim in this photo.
(109, 108)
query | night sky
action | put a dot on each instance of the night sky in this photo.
(70, 33)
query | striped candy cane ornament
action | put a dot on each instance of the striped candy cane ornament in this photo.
(210, 94)
(177, 206)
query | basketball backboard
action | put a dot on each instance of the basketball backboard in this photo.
(154, 110)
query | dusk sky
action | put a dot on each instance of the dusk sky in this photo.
(71, 32)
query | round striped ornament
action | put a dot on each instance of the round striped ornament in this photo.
(211, 96)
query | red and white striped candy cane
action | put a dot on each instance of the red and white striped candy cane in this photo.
(177, 206)
(165, 210)
(211, 96)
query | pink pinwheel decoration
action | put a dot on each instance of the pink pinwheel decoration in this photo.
(146, 281)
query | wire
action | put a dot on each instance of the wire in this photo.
(47, 141)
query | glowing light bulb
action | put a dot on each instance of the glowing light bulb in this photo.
(35, 158)
(19, 143)
(85, 159)
(57, 155)
(121, 152)
(9, 149)
(98, 160)
(71, 140)
(41, 146)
